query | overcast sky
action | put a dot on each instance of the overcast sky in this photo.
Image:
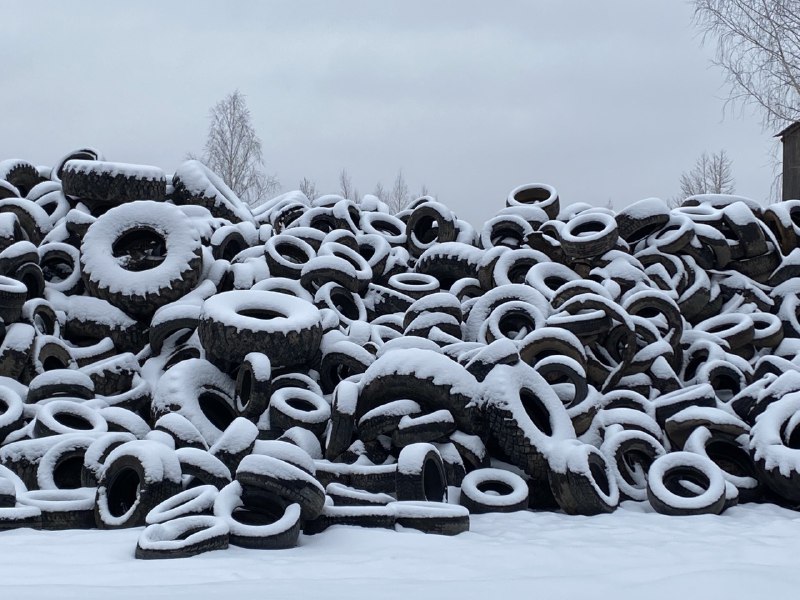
(606, 100)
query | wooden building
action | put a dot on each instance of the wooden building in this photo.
(790, 137)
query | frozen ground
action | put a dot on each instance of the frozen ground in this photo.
(748, 552)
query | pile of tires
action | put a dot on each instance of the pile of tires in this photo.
(173, 359)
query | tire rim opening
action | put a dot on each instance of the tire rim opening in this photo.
(123, 492)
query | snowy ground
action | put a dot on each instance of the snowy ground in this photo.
(747, 552)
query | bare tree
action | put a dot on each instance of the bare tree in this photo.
(758, 47)
(423, 191)
(346, 186)
(398, 197)
(233, 151)
(309, 188)
(380, 192)
(711, 174)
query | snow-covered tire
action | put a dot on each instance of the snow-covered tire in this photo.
(285, 328)
(162, 262)
(193, 501)
(524, 416)
(630, 454)
(63, 509)
(194, 183)
(286, 255)
(19, 516)
(420, 474)
(666, 485)
(509, 492)
(540, 195)
(64, 416)
(61, 467)
(203, 468)
(283, 480)
(182, 537)
(110, 183)
(581, 479)
(270, 526)
(589, 235)
(343, 407)
(372, 516)
(182, 430)
(291, 407)
(11, 412)
(430, 223)
(775, 447)
(423, 428)
(431, 517)
(200, 392)
(13, 294)
(136, 477)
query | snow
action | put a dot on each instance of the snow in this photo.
(627, 555)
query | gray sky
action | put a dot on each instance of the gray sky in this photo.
(603, 100)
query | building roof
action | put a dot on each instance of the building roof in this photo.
(788, 130)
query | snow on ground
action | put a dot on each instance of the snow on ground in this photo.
(749, 552)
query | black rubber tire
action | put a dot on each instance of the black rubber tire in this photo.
(62, 509)
(269, 526)
(536, 194)
(112, 183)
(127, 490)
(183, 540)
(61, 467)
(630, 454)
(60, 383)
(510, 491)
(235, 443)
(603, 235)
(421, 474)
(286, 255)
(13, 294)
(203, 468)
(194, 183)
(228, 332)
(667, 493)
(774, 444)
(142, 282)
(96, 454)
(372, 516)
(425, 428)
(64, 416)
(296, 407)
(253, 385)
(11, 412)
(343, 425)
(430, 223)
(200, 392)
(431, 517)
(582, 482)
(285, 481)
